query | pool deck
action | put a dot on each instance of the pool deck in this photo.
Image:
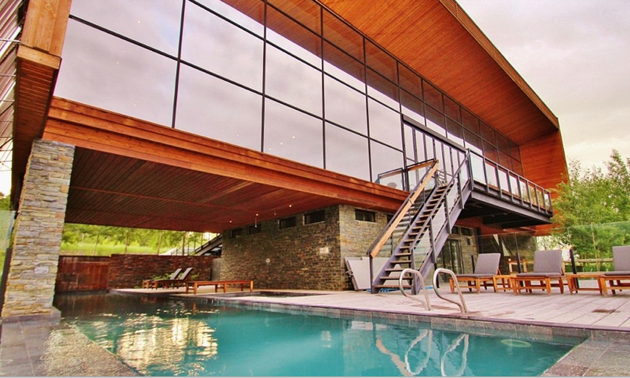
(48, 348)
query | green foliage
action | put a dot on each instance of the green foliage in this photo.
(81, 239)
(593, 208)
(5, 202)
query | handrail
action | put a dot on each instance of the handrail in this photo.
(462, 306)
(424, 286)
(389, 230)
(542, 196)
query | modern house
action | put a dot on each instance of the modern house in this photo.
(304, 131)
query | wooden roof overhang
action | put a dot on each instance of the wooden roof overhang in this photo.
(440, 41)
(129, 172)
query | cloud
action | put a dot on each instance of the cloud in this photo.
(574, 54)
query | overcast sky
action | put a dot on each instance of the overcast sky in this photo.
(575, 54)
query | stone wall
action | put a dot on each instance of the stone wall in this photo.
(357, 236)
(128, 271)
(306, 256)
(38, 229)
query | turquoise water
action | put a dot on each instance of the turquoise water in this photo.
(174, 338)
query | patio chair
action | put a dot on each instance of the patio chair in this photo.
(153, 283)
(177, 282)
(621, 272)
(548, 267)
(487, 267)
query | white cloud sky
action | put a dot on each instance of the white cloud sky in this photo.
(575, 54)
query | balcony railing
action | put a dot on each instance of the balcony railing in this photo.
(489, 177)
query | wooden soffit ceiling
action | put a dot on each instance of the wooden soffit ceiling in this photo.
(132, 173)
(441, 42)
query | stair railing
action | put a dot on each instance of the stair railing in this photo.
(380, 241)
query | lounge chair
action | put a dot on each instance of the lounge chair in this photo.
(487, 267)
(548, 267)
(177, 282)
(621, 272)
(153, 283)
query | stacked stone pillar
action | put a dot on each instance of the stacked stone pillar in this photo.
(38, 229)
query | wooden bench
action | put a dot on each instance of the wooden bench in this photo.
(219, 284)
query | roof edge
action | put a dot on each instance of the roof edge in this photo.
(478, 35)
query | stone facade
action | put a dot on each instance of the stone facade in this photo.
(128, 271)
(38, 229)
(304, 256)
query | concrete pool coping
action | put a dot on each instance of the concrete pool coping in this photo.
(38, 348)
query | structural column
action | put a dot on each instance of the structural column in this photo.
(38, 229)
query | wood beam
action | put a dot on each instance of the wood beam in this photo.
(95, 129)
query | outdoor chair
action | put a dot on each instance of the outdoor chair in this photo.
(487, 267)
(153, 283)
(177, 282)
(615, 278)
(548, 267)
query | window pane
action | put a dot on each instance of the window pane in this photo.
(343, 36)
(410, 81)
(150, 22)
(381, 62)
(293, 82)
(248, 14)
(347, 153)
(342, 66)
(222, 48)
(424, 146)
(490, 151)
(473, 142)
(451, 109)
(384, 124)
(515, 151)
(412, 107)
(345, 106)
(435, 121)
(306, 12)
(385, 159)
(487, 133)
(432, 96)
(382, 89)
(455, 132)
(294, 38)
(130, 80)
(470, 121)
(217, 109)
(293, 135)
(410, 143)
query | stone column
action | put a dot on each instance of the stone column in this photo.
(37, 234)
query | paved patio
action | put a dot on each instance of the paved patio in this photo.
(46, 348)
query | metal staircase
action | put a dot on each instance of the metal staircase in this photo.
(418, 231)
(213, 247)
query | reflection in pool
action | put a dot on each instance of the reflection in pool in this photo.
(161, 337)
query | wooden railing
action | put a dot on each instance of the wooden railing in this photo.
(411, 199)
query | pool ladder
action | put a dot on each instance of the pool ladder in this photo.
(427, 303)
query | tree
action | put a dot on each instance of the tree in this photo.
(593, 208)
(5, 202)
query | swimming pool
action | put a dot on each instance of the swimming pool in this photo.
(159, 337)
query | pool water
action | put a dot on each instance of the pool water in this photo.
(159, 337)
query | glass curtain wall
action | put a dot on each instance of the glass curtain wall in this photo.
(284, 77)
